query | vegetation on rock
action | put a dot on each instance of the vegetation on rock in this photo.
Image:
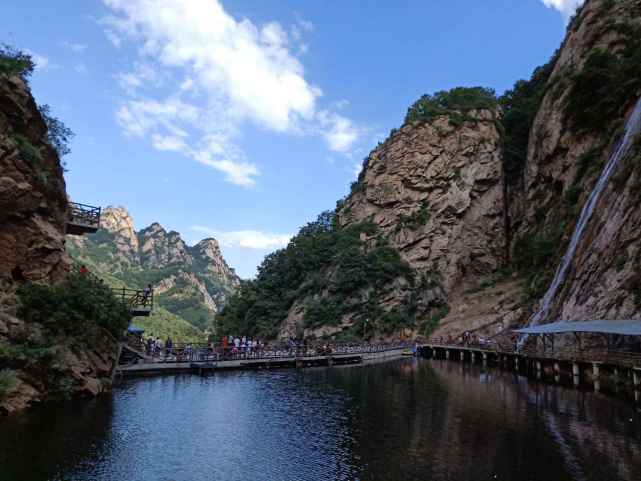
(15, 62)
(456, 103)
(58, 134)
(519, 107)
(339, 271)
(601, 88)
(72, 305)
(7, 381)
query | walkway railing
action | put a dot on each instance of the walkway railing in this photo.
(567, 354)
(141, 302)
(83, 219)
(217, 352)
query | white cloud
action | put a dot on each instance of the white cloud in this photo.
(339, 132)
(75, 47)
(247, 239)
(163, 122)
(225, 72)
(42, 63)
(566, 7)
(252, 66)
(356, 169)
(142, 75)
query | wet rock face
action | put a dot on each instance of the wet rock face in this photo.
(33, 203)
(563, 164)
(436, 190)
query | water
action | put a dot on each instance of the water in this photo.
(632, 129)
(405, 420)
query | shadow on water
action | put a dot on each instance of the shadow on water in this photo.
(411, 419)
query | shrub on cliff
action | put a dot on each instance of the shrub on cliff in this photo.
(455, 102)
(7, 381)
(58, 134)
(606, 83)
(74, 305)
(520, 105)
(15, 62)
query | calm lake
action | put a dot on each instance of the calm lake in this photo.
(402, 420)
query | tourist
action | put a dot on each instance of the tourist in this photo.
(146, 294)
(225, 345)
(84, 271)
(150, 345)
(169, 344)
(159, 346)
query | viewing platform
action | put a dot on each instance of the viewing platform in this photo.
(141, 302)
(83, 219)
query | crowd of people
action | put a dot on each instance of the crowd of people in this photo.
(236, 345)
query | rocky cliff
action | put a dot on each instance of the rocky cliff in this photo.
(594, 85)
(436, 191)
(38, 361)
(192, 282)
(33, 203)
(480, 196)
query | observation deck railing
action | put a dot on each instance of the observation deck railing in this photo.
(182, 352)
(83, 219)
(141, 302)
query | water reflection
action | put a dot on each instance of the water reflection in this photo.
(412, 419)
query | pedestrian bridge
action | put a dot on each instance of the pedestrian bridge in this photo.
(201, 358)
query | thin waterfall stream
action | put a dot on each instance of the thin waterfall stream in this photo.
(632, 128)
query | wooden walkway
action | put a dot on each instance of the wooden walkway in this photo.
(198, 363)
(583, 366)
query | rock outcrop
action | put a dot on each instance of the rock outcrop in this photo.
(436, 190)
(192, 282)
(33, 202)
(567, 153)
(38, 363)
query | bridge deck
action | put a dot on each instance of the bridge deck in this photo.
(587, 356)
(147, 368)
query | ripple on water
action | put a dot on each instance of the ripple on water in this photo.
(410, 419)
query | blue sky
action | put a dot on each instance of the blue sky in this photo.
(244, 119)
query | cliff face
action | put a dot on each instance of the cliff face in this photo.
(192, 282)
(436, 191)
(40, 363)
(33, 203)
(593, 88)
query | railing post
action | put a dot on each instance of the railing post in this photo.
(595, 376)
(576, 373)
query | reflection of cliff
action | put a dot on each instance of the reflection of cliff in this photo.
(50, 442)
(590, 432)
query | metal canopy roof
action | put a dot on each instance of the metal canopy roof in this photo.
(623, 327)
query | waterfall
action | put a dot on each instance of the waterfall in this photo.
(632, 128)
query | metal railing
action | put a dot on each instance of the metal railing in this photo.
(84, 215)
(567, 354)
(138, 300)
(218, 352)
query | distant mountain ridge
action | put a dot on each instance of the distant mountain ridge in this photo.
(192, 282)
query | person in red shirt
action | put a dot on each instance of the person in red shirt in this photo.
(83, 270)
